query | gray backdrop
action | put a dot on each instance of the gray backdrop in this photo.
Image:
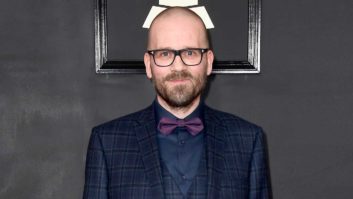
(50, 97)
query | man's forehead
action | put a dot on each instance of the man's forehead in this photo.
(183, 35)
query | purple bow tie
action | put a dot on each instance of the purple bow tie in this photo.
(167, 125)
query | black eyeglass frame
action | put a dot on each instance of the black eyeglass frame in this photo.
(178, 53)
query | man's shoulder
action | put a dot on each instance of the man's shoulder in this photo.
(124, 122)
(230, 121)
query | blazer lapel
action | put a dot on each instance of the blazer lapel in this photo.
(214, 148)
(147, 139)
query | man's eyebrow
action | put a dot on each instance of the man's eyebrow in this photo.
(169, 48)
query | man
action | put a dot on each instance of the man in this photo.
(178, 147)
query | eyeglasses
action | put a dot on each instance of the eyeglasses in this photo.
(166, 57)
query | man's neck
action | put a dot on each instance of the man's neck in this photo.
(179, 112)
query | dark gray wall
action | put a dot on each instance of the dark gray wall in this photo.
(50, 97)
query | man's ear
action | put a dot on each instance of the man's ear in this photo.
(210, 58)
(147, 61)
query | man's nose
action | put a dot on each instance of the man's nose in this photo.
(178, 64)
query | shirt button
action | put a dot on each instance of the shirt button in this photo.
(184, 177)
(182, 142)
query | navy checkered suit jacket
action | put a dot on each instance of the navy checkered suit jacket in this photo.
(123, 160)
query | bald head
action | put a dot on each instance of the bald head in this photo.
(180, 21)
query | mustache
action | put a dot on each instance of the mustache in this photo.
(178, 75)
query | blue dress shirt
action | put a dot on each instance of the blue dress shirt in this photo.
(180, 151)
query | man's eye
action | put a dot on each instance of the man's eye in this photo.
(164, 54)
(190, 53)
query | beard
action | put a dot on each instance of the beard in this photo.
(182, 95)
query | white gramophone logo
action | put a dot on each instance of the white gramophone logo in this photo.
(199, 10)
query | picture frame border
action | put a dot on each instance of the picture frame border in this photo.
(105, 66)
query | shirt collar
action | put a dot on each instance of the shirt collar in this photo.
(162, 112)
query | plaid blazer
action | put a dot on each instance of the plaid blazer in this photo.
(123, 159)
